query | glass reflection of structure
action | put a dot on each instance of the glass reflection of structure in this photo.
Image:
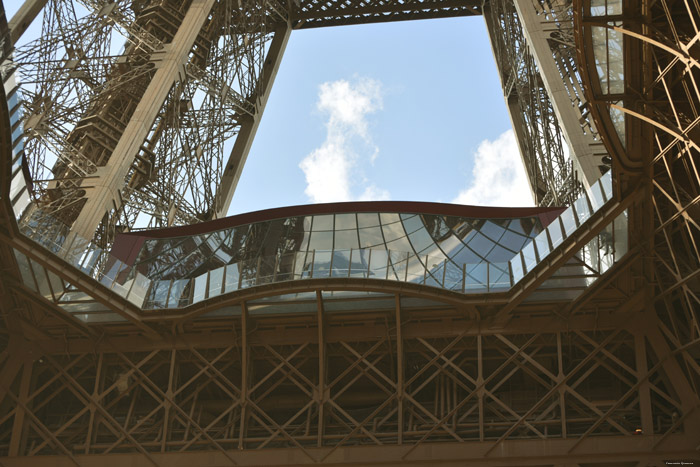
(452, 252)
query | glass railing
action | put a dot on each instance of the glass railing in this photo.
(590, 202)
(435, 271)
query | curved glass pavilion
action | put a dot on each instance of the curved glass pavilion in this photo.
(461, 248)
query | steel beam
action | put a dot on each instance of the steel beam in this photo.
(249, 125)
(104, 194)
(586, 150)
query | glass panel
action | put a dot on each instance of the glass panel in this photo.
(453, 276)
(529, 256)
(516, 266)
(41, 280)
(420, 239)
(216, 278)
(345, 222)
(159, 294)
(477, 277)
(582, 210)
(324, 222)
(138, 291)
(232, 278)
(360, 259)
(378, 263)
(371, 236)
(569, 220)
(177, 294)
(555, 233)
(542, 243)
(341, 263)
(620, 232)
(606, 184)
(399, 261)
(597, 198)
(346, 239)
(394, 230)
(618, 120)
(200, 288)
(499, 276)
(322, 263)
(367, 219)
(321, 241)
(416, 270)
(411, 222)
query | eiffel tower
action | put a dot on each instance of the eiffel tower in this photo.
(141, 326)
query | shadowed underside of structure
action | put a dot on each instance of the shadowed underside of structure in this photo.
(572, 364)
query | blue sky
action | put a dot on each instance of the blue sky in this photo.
(403, 111)
(399, 111)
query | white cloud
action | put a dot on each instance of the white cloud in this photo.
(499, 177)
(331, 170)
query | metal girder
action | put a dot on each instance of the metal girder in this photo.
(322, 13)
(548, 31)
(249, 126)
(537, 128)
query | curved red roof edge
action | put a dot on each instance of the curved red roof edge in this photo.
(127, 245)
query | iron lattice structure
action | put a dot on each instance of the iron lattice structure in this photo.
(605, 375)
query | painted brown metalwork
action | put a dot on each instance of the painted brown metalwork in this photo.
(370, 372)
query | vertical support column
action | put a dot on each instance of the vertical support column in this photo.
(18, 428)
(244, 375)
(399, 370)
(103, 194)
(321, 396)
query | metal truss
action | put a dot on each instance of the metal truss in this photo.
(122, 100)
(410, 382)
(532, 110)
(408, 376)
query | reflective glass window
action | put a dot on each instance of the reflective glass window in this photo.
(555, 233)
(516, 266)
(401, 244)
(200, 288)
(606, 184)
(542, 244)
(322, 223)
(582, 210)
(499, 276)
(387, 218)
(492, 230)
(620, 233)
(399, 263)
(216, 278)
(411, 222)
(377, 264)
(322, 263)
(597, 199)
(177, 293)
(450, 245)
(481, 245)
(606, 7)
(371, 236)
(367, 219)
(569, 220)
(421, 240)
(477, 277)
(529, 256)
(345, 221)
(393, 231)
(341, 263)
(346, 239)
(321, 241)
(513, 242)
